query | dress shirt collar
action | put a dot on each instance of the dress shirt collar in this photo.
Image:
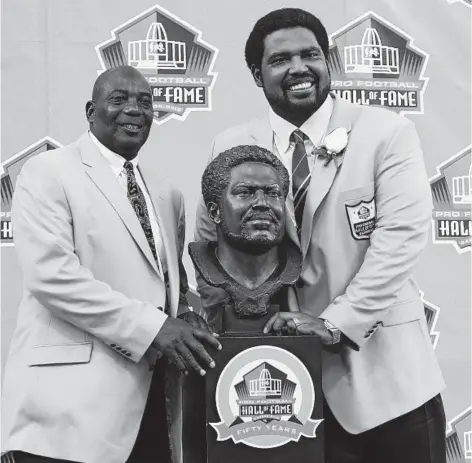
(314, 127)
(115, 160)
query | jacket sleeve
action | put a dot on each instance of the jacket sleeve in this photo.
(205, 229)
(52, 272)
(403, 203)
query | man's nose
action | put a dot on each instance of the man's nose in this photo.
(132, 107)
(297, 65)
(260, 200)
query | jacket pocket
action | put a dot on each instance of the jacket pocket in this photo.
(404, 312)
(55, 354)
(358, 193)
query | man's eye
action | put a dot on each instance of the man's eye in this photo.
(117, 99)
(279, 60)
(243, 192)
(313, 54)
(274, 194)
(146, 103)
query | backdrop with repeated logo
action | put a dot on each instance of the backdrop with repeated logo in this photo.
(412, 57)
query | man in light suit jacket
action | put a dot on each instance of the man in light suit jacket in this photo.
(360, 211)
(100, 242)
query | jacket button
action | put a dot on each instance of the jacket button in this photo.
(113, 345)
(118, 348)
(128, 354)
(160, 308)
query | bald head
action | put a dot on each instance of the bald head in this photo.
(120, 112)
(103, 79)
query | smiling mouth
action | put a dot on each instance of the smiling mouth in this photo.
(300, 87)
(133, 128)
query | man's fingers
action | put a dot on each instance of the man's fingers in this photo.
(292, 326)
(268, 326)
(189, 359)
(207, 337)
(278, 324)
(200, 353)
(174, 357)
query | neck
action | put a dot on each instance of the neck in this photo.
(249, 270)
(297, 119)
(128, 155)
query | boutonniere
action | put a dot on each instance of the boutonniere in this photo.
(334, 144)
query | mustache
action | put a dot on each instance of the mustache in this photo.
(295, 79)
(260, 216)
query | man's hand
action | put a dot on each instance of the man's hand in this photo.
(298, 323)
(182, 344)
(197, 321)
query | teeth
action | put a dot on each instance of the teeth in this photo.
(131, 126)
(302, 86)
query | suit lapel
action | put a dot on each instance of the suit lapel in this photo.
(100, 173)
(263, 136)
(322, 176)
(262, 133)
(165, 220)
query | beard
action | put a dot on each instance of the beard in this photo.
(302, 110)
(244, 242)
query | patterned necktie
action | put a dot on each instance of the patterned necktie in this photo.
(300, 176)
(136, 198)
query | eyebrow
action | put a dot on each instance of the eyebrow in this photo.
(121, 90)
(285, 53)
(252, 185)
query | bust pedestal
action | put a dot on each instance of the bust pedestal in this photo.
(262, 403)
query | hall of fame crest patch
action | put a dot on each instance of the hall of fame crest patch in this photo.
(361, 218)
(265, 398)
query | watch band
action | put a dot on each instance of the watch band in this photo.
(335, 332)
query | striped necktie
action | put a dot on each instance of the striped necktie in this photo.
(300, 176)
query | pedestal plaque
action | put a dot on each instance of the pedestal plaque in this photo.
(262, 403)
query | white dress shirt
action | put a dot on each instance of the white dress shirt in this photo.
(315, 128)
(117, 166)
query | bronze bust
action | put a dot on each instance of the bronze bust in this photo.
(244, 189)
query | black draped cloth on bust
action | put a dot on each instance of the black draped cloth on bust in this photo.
(246, 310)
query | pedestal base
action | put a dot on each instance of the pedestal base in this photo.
(262, 403)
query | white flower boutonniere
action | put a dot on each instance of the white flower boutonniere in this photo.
(334, 144)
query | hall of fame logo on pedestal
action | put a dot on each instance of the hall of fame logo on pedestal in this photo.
(265, 398)
(171, 55)
(373, 62)
(9, 173)
(452, 200)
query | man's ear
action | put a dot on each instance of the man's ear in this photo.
(256, 75)
(214, 212)
(90, 111)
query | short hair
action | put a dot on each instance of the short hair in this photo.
(217, 174)
(285, 18)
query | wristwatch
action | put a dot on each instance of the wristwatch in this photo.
(335, 332)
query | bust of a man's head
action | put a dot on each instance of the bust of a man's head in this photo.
(244, 189)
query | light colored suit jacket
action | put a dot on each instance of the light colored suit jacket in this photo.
(357, 275)
(79, 368)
